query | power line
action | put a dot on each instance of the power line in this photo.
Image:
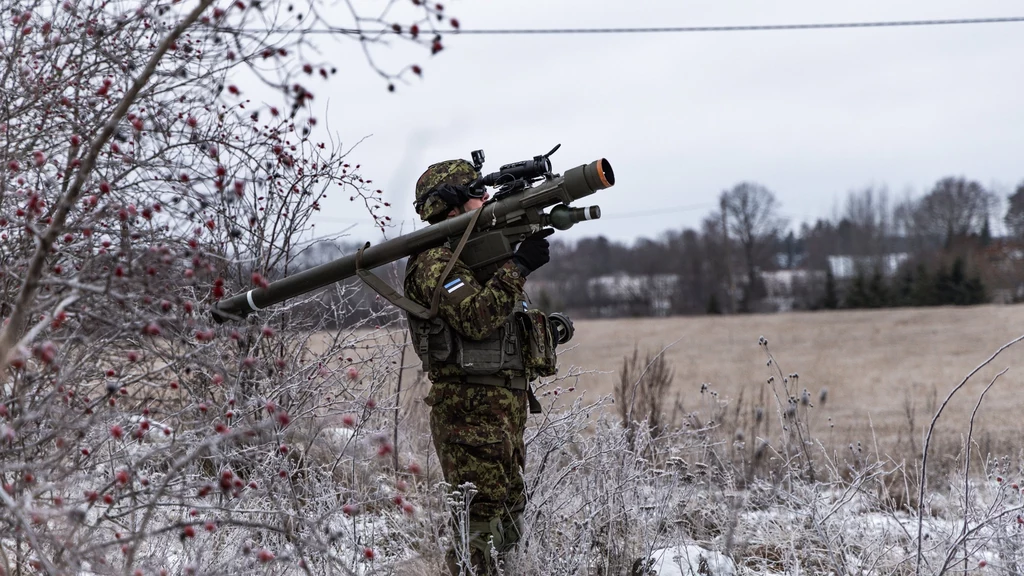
(677, 29)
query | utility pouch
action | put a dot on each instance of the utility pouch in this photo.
(499, 351)
(539, 347)
(432, 339)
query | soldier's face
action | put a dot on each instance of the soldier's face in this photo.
(472, 204)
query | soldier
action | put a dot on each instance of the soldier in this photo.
(478, 401)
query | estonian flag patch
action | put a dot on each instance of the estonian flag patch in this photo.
(454, 285)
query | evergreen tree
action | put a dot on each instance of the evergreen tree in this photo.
(831, 299)
(857, 296)
(904, 293)
(975, 289)
(877, 291)
(944, 293)
(955, 289)
(924, 292)
(986, 233)
(713, 306)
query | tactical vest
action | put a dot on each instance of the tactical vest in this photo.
(524, 343)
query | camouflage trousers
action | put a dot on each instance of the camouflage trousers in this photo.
(478, 434)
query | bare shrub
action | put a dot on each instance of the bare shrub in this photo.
(642, 389)
(139, 184)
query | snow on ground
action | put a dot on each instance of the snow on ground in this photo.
(691, 560)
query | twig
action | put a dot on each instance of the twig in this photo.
(927, 444)
(967, 478)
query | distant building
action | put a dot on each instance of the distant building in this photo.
(1002, 268)
(844, 267)
(627, 295)
(783, 288)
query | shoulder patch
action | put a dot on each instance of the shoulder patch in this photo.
(457, 290)
(454, 285)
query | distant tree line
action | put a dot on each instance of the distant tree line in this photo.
(914, 286)
(877, 251)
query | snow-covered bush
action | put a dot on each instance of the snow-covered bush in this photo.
(155, 157)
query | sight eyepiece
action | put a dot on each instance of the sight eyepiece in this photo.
(528, 170)
(562, 326)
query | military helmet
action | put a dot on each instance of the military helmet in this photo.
(454, 172)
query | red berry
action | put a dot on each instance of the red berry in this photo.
(264, 555)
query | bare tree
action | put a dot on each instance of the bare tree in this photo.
(955, 208)
(870, 219)
(753, 219)
(1014, 218)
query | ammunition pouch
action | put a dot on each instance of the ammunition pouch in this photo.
(438, 344)
(524, 343)
(501, 350)
(539, 346)
(433, 340)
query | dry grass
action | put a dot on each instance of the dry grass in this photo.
(884, 370)
(877, 365)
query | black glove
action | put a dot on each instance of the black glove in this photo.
(533, 252)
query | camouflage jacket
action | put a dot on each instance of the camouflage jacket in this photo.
(472, 307)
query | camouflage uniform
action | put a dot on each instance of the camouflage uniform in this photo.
(477, 429)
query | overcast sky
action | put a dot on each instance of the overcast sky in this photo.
(681, 117)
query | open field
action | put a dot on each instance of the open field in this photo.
(885, 371)
(873, 363)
